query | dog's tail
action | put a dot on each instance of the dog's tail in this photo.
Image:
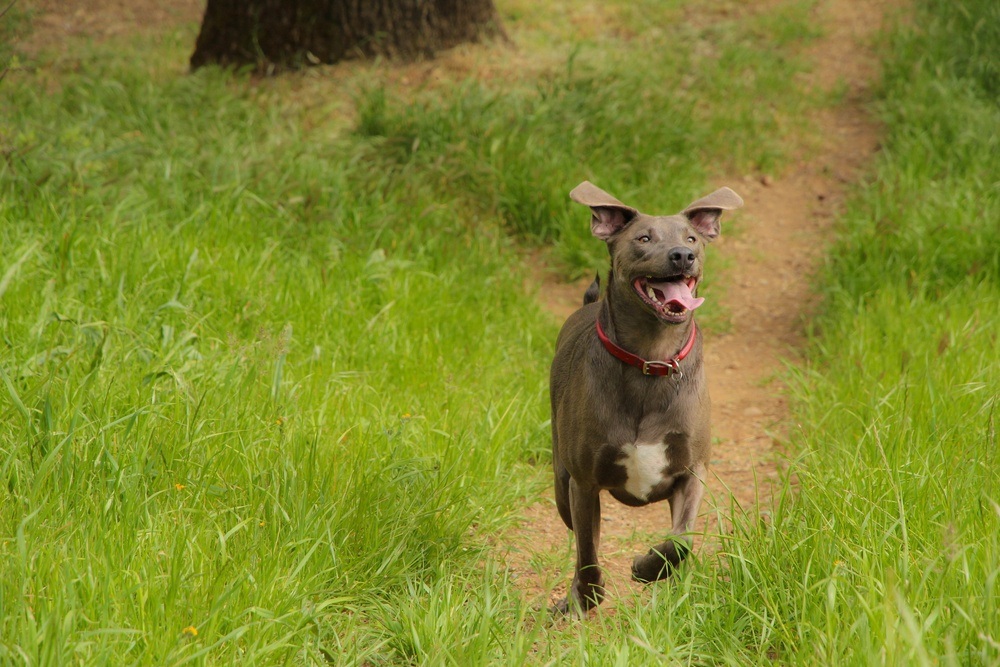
(594, 291)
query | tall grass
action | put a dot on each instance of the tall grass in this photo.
(888, 552)
(650, 121)
(251, 391)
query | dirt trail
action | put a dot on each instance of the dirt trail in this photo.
(783, 228)
(57, 22)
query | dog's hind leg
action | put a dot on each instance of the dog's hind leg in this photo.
(662, 559)
(562, 491)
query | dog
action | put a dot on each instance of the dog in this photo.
(630, 404)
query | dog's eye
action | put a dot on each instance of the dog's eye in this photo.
(692, 239)
(643, 239)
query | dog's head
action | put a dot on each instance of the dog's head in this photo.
(660, 258)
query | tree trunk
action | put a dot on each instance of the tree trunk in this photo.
(293, 33)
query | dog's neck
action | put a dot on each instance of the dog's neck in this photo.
(636, 329)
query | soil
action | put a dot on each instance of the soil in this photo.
(784, 228)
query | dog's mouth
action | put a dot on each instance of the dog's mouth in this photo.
(672, 297)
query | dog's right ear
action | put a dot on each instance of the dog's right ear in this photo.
(609, 215)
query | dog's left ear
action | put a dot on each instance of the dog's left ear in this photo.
(705, 213)
(608, 215)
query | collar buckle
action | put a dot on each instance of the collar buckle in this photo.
(656, 367)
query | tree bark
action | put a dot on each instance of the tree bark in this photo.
(294, 33)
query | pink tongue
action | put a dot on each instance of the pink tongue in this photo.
(677, 291)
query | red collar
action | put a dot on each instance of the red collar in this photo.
(669, 367)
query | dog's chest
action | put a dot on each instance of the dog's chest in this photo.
(647, 466)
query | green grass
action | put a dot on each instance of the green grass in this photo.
(249, 386)
(508, 153)
(271, 383)
(899, 481)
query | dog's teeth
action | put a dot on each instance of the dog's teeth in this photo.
(650, 292)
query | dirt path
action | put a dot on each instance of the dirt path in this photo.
(58, 22)
(784, 226)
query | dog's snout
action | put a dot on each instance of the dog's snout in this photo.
(681, 257)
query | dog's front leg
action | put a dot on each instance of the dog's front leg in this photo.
(661, 560)
(587, 589)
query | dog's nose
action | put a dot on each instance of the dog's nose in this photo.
(681, 257)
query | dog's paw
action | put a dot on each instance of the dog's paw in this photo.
(577, 604)
(660, 562)
(567, 607)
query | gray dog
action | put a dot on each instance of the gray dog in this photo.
(630, 406)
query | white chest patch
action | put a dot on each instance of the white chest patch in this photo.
(644, 463)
